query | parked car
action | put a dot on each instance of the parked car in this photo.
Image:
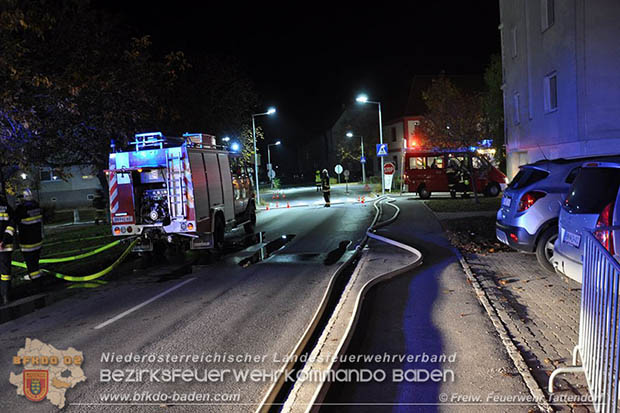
(448, 171)
(528, 217)
(591, 203)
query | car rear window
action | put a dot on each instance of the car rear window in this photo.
(592, 190)
(526, 177)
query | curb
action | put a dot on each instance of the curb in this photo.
(512, 350)
(32, 303)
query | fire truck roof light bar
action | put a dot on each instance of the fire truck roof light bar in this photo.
(148, 139)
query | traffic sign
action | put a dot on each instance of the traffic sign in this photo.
(363, 159)
(388, 175)
(382, 149)
(338, 169)
(271, 174)
(346, 173)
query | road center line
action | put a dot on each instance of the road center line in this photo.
(150, 300)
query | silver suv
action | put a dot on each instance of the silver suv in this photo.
(528, 217)
(591, 204)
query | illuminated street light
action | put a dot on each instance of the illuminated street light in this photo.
(364, 99)
(350, 135)
(225, 139)
(270, 111)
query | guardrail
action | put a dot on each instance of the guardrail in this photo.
(599, 332)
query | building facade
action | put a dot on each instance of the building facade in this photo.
(561, 79)
(76, 190)
(399, 134)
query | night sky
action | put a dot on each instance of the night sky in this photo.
(309, 61)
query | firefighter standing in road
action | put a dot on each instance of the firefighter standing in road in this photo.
(29, 228)
(325, 186)
(7, 232)
(317, 180)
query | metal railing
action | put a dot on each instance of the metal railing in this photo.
(599, 335)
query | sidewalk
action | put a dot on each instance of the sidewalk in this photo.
(540, 312)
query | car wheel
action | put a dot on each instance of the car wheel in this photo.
(544, 249)
(493, 190)
(218, 234)
(424, 193)
(249, 226)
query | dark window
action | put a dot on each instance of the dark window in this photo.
(527, 177)
(393, 134)
(551, 92)
(592, 190)
(45, 174)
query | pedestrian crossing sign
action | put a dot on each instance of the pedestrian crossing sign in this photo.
(382, 149)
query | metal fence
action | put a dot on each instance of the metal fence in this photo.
(599, 335)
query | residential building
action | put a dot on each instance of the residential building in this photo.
(561, 79)
(399, 134)
(76, 188)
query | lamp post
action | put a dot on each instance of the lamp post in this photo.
(350, 135)
(269, 159)
(270, 111)
(364, 99)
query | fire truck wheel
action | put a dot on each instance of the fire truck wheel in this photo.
(218, 233)
(249, 226)
(424, 193)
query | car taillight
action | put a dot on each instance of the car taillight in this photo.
(529, 199)
(604, 220)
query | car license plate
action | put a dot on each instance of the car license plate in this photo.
(506, 202)
(501, 235)
(572, 239)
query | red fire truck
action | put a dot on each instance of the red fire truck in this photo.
(182, 190)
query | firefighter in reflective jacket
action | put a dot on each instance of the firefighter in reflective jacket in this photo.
(325, 186)
(7, 232)
(317, 180)
(29, 225)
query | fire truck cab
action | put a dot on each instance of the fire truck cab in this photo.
(182, 190)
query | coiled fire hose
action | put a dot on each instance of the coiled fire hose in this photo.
(81, 256)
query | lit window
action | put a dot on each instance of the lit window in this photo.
(551, 92)
(547, 14)
(88, 177)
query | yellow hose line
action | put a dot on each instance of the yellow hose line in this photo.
(91, 276)
(80, 256)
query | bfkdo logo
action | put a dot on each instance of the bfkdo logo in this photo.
(35, 384)
(47, 372)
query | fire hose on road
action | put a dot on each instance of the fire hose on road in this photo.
(89, 277)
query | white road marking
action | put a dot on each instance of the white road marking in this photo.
(131, 310)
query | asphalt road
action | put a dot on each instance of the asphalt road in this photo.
(259, 311)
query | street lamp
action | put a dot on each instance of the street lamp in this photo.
(270, 111)
(269, 160)
(364, 99)
(225, 139)
(350, 135)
